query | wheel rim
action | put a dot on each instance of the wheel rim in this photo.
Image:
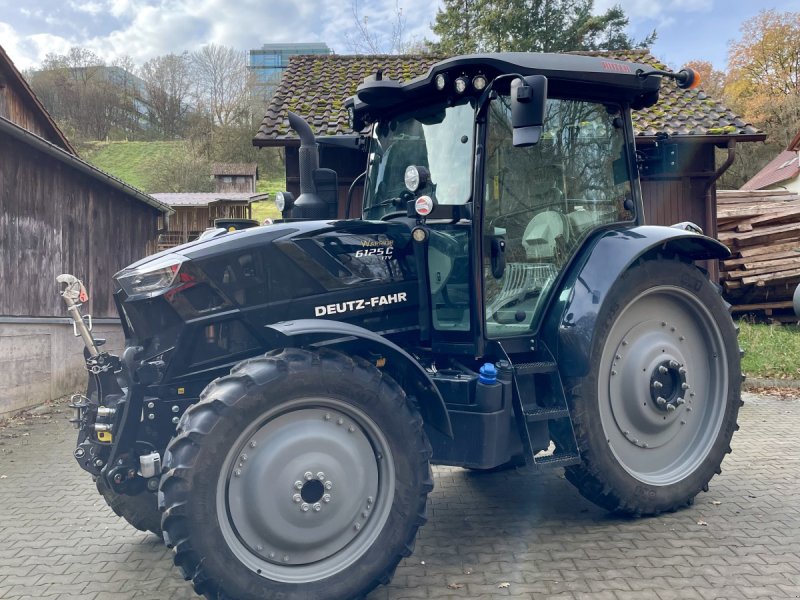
(663, 385)
(306, 490)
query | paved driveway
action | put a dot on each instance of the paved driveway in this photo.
(489, 536)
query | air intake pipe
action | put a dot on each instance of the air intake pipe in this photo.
(309, 205)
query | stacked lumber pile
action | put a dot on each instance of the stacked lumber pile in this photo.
(762, 230)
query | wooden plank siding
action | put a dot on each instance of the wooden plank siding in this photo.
(55, 219)
(17, 108)
(189, 222)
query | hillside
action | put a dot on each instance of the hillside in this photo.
(133, 162)
(168, 166)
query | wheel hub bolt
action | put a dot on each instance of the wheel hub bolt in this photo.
(340, 421)
(328, 485)
(682, 370)
(79, 452)
(663, 370)
(684, 386)
(670, 407)
(305, 507)
(680, 401)
(308, 475)
(357, 526)
(298, 485)
(297, 498)
(661, 401)
(317, 507)
(658, 385)
(326, 498)
(321, 476)
(674, 364)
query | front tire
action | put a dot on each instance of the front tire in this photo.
(140, 510)
(654, 416)
(301, 474)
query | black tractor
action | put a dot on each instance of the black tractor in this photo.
(284, 389)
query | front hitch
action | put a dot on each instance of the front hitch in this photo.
(96, 412)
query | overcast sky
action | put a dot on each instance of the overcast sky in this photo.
(29, 29)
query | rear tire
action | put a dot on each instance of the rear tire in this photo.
(140, 510)
(301, 474)
(654, 416)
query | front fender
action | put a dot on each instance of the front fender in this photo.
(399, 363)
(570, 322)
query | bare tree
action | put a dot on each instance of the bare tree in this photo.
(82, 92)
(222, 84)
(366, 40)
(167, 89)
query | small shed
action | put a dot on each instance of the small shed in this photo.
(781, 173)
(234, 177)
(195, 212)
(677, 138)
(58, 214)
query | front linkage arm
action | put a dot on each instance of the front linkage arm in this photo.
(98, 413)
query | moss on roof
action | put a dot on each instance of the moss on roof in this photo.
(315, 86)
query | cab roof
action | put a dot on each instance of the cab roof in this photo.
(569, 76)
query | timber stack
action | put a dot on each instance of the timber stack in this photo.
(762, 230)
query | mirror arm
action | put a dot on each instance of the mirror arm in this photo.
(483, 101)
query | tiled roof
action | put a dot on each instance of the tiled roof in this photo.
(202, 198)
(234, 169)
(783, 167)
(315, 87)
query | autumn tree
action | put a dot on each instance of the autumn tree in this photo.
(763, 85)
(712, 81)
(465, 26)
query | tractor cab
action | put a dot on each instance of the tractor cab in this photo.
(504, 164)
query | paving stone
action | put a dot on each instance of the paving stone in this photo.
(59, 541)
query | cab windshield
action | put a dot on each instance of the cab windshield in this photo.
(438, 138)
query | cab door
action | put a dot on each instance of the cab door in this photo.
(540, 202)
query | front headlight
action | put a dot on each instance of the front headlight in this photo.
(151, 278)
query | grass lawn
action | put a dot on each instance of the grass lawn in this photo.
(266, 208)
(770, 350)
(131, 161)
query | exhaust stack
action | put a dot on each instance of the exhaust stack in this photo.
(309, 205)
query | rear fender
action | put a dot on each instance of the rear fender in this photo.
(570, 323)
(399, 364)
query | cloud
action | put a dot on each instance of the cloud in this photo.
(92, 8)
(143, 29)
(661, 11)
(28, 51)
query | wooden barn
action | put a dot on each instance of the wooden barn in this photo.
(235, 177)
(677, 138)
(58, 214)
(196, 212)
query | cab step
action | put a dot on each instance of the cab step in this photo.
(534, 368)
(555, 461)
(534, 414)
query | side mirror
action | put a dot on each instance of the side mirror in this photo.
(528, 101)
